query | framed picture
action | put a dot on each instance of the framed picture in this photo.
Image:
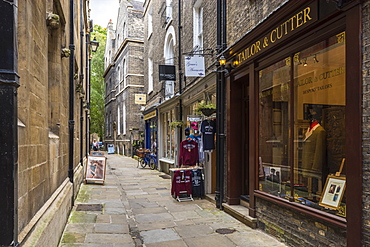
(95, 169)
(333, 192)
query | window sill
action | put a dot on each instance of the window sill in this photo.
(166, 160)
(314, 213)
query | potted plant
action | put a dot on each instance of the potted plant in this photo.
(176, 124)
(205, 109)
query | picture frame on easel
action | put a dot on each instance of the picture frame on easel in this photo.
(333, 192)
(95, 169)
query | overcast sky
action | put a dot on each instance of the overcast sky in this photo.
(104, 10)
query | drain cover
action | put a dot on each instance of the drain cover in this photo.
(225, 231)
(160, 188)
(89, 207)
(165, 176)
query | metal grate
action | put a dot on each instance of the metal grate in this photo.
(160, 188)
(89, 207)
(165, 176)
(225, 231)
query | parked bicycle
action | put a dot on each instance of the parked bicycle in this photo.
(146, 158)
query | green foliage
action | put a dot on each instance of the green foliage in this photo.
(97, 83)
(203, 105)
(176, 124)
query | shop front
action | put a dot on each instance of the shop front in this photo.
(151, 130)
(293, 123)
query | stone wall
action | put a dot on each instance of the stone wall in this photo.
(43, 113)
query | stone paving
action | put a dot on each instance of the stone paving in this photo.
(138, 210)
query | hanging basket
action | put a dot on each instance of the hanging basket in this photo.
(208, 111)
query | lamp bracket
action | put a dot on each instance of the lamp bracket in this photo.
(198, 51)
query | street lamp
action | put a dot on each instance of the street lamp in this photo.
(94, 45)
(222, 60)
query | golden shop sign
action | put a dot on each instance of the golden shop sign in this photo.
(299, 20)
(150, 115)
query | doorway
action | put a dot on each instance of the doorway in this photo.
(237, 140)
(245, 139)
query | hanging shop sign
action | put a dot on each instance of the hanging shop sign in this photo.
(140, 98)
(167, 73)
(301, 19)
(194, 118)
(194, 66)
(150, 115)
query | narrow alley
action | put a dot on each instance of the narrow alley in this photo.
(134, 208)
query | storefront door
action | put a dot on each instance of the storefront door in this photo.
(238, 126)
(245, 134)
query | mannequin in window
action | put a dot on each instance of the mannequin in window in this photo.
(314, 147)
(314, 157)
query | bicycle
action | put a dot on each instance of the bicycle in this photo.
(146, 158)
(153, 161)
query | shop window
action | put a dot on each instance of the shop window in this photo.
(169, 136)
(319, 125)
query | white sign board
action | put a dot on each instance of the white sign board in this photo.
(195, 118)
(140, 99)
(194, 67)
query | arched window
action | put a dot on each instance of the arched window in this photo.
(169, 56)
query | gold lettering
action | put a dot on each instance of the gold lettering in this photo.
(253, 49)
(258, 46)
(292, 23)
(279, 36)
(285, 27)
(306, 13)
(299, 19)
(272, 41)
(242, 56)
(276, 34)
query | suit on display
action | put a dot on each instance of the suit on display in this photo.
(314, 148)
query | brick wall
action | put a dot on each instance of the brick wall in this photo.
(366, 122)
(296, 229)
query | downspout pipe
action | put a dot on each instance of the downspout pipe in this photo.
(220, 104)
(218, 108)
(9, 83)
(71, 122)
(88, 68)
(221, 130)
(180, 68)
(82, 83)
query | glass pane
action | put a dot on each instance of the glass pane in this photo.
(319, 126)
(273, 128)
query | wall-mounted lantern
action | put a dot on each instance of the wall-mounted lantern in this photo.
(94, 45)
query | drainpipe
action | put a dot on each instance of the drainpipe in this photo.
(180, 71)
(88, 68)
(9, 82)
(71, 122)
(220, 104)
(218, 114)
(81, 81)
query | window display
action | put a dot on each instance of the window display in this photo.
(169, 137)
(319, 123)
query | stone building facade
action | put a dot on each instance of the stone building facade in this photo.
(51, 47)
(269, 42)
(124, 79)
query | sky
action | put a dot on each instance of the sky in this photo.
(104, 10)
